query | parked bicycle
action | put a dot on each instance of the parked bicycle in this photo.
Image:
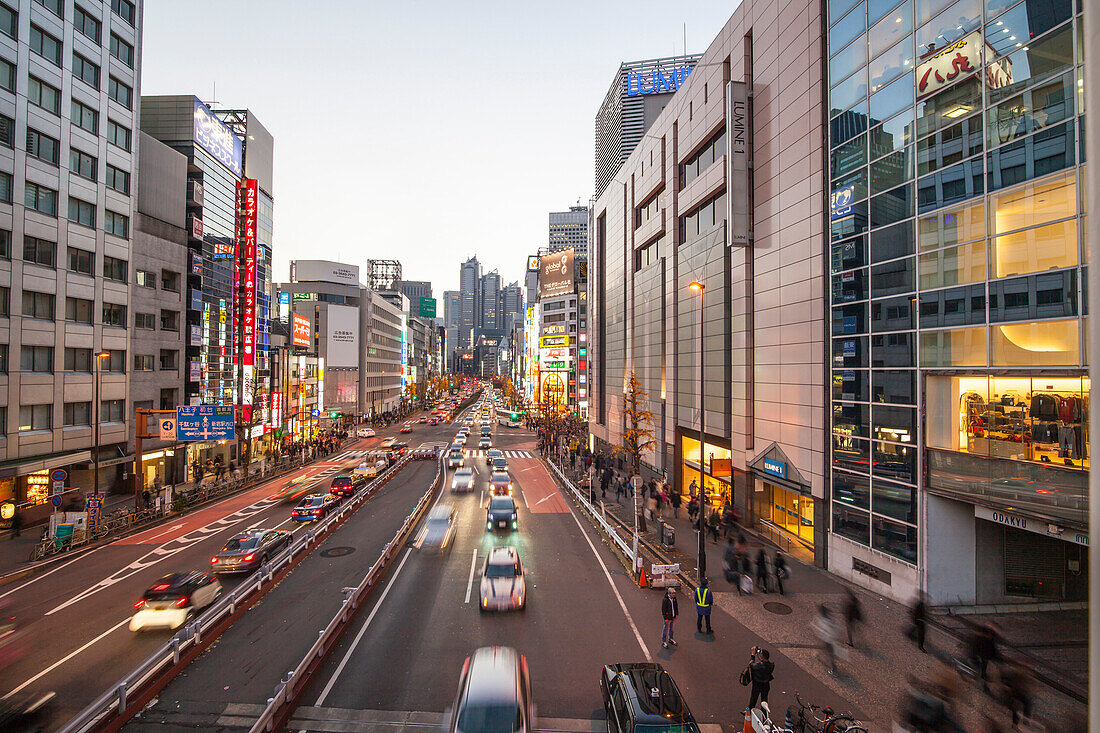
(811, 718)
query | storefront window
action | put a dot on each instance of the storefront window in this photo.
(1037, 202)
(1048, 247)
(38, 487)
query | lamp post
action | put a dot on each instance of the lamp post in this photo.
(698, 287)
(95, 432)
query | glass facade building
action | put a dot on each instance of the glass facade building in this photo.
(959, 386)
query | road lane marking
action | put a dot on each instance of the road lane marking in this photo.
(50, 572)
(64, 659)
(470, 582)
(359, 636)
(173, 528)
(548, 496)
(622, 604)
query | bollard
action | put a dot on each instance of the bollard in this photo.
(175, 650)
(121, 696)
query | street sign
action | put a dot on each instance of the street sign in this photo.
(665, 569)
(55, 500)
(57, 480)
(168, 428)
(315, 412)
(636, 482)
(93, 506)
(204, 422)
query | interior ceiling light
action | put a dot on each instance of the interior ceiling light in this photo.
(957, 111)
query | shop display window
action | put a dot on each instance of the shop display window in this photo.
(953, 347)
(38, 487)
(1048, 247)
(1037, 202)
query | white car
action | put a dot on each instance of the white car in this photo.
(439, 528)
(389, 441)
(365, 432)
(455, 458)
(172, 600)
(461, 439)
(502, 581)
(463, 480)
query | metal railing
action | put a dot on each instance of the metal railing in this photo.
(282, 704)
(128, 695)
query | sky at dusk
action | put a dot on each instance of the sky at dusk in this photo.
(419, 131)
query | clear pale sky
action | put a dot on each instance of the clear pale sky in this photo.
(419, 131)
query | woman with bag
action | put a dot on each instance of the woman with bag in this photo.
(781, 572)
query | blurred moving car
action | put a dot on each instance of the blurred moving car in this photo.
(643, 697)
(313, 508)
(463, 480)
(494, 694)
(455, 457)
(169, 602)
(439, 527)
(365, 432)
(500, 465)
(387, 442)
(346, 484)
(501, 514)
(502, 581)
(461, 439)
(485, 442)
(370, 470)
(500, 484)
(249, 550)
(406, 429)
(492, 454)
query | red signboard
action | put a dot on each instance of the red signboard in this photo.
(300, 330)
(248, 296)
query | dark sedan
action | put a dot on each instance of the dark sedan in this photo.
(314, 508)
(345, 485)
(501, 514)
(249, 550)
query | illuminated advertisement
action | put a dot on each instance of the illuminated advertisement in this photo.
(404, 352)
(658, 81)
(300, 334)
(556, 274)
(548, 341)
(284, 307)
(552, 389)
(217, 139)
(248, 296)
(342, 336)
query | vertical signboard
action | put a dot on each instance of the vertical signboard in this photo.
(737, 140)
(248, 296)
(301, 332)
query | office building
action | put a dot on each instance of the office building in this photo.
(469, 287)
(68, 123)
(511, 305)
(452, 323)
(725, 189)
(490, 320)
(414, 290)
(569, 230)
(638, 93)
(959, 387)
(382, 324)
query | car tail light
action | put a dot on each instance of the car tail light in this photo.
(316, 512)
(213, 560)
(249, 557)
(182, 601)
(140, 603)
(162, 586)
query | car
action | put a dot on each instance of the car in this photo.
(365, 432)
(345, 484)
(406, 429)
(439, 528)
(492, 454)
(423, 418)
(486, 430)
(501, 514)
(463, 430)
(463, 480)
(460, 439)
(313, 508)
(502, 581)
(172, 600)
(249, 550)
(494, 694)
(389, 441)
(455, 457)
(399, 449)
(500, 484)
(468, 421)
(500, 465)
(485, 442)
(370, 470)
(642, 696)
(434, 421)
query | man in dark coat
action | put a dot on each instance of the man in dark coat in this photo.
(761, 669)
(670, 609)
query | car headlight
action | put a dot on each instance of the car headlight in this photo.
(489, 524)
(513, 524)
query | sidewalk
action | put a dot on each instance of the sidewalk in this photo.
(875, 671)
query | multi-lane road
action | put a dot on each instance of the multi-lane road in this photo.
(398, 665)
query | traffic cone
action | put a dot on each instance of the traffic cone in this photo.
(748, 722)
(642, 582)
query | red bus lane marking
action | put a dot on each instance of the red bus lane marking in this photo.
(540, 493)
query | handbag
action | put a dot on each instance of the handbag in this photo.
(746, 677)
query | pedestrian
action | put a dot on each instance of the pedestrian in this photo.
(693, 489)
(1017, 692)
(762, 570)
(145, 499)
(704, 599)
(693, 509)
(676, 498)
(827, 633)
(779, 564)
(732, 565)
(713, 524)
(727, 520)
(983, 650)
(761, 674)
(670, 609)
(918, 614)
(853, 614)
(605, 479)
(16, 524)
(618, 488)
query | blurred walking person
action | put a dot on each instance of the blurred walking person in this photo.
(853, 614)
(828, 634)
(779, 564)
(762, 570)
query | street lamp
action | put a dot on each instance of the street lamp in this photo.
(698, 287)
(95, 432)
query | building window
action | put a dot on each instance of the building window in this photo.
(6, 185)
(45, 45)
(79, 310)
(145, 279)
(7, 74)
(118, 135)
(7, 131)
(84, 117)
(36, 359)
(38, 305)
(121, 93)
(145, 321)
(118, 179)
(5, 244)
(85, 23)
(5, 301)
(82, 212)
(43, 146)
(143, 362)
(170, 281)
(169, 360)
(169, 320)
(3, 364)
(116, 224)
(114, 315)
(114, 269)
(111, 410)
(86, 71)
(702, 159)
(83, 164)
(35, 417)
(9, 24)
(123, 9)
(81, 261)
(40, 251)
(115, 361)
(168, 400)
(40, 198)
(78, 360)
(77, 414)
(122, 50)
(54, 6)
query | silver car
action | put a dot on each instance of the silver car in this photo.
(503, 587)
(463, 480)
(494, 694)
(439, 528)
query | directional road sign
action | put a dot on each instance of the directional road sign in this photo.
(167, 428)
(204, 422)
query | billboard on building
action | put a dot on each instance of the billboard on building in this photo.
(250, 207)
(737, 149)
(342, 336)
(324, 271)
(301, 332)
(215, 137)
(556, 274)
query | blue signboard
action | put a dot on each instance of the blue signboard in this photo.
(315, 412)
(204, 422)
(840, 202)
(775, 468)
(216, 138)
(658, 81)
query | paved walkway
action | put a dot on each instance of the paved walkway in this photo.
(876, 669)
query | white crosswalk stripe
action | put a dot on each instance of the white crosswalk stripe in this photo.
(507, 453)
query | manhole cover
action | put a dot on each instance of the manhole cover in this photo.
(779, 608)
(340, 551)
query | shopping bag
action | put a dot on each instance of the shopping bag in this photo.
(746, 584)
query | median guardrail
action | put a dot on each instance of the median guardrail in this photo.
(288, 692)
(111, 710)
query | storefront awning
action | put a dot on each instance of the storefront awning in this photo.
(773, 465)
(23, 466)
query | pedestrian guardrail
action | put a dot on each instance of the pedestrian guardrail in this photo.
(130, 694)
(290, 688)
(626, 548)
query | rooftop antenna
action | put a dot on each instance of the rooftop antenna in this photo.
(685, 40)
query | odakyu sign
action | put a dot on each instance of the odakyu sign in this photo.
(657, 81)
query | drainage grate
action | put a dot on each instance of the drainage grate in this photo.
(341, 551)
(781, 609)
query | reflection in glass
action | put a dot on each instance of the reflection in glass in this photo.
(890, 64)
(953, 306)
(892, 278)
(849, 156)
(1030, 64)
(838, 9)
(897, 462)
(848, 60)
(891, 29)
(892, 242)
(848, 124)
(1026, 21)
(850, 286)
(850, 319)
(849, 91)
(949, 26)
(1033, 110)
(856, 180)
(892, 314)
(851, 453)
(892, 206)
(850, 384)
(852, 490)
(1037, 202)
(946, 107)
(953, 347)
(850, 352)
(951, 226)
(1046, 295)
(895, 539)
(895, 501)
(952, 266)
(951, 185)
(892, 99)
(898, 386)
(1044, 152)
(892, 350)
(851, 523)
(948, 147)
(850, 26)
(892, 170)
(848, 254)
